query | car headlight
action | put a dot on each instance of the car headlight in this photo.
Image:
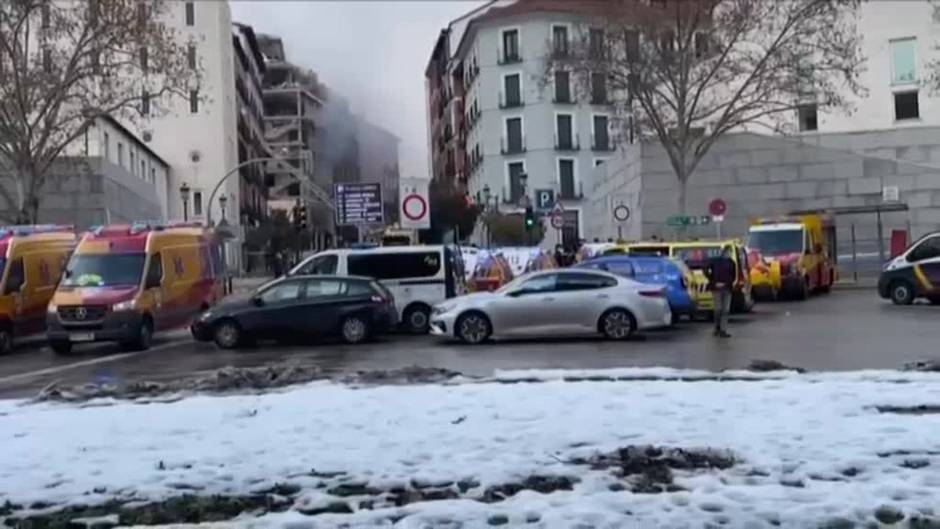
(52, 308)
(124, 305)
(205, 315)
(441, 309)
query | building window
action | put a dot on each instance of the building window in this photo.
(145, 103)
(599, 161)
(560, 41)
(193, 101)
(121, 154)
(191, 56)
(906, 105)
(512, 87)
(133, 167)
(515, 141)
(144, 58)
(807, 116)
(190, 13)
(143, 169)
(600, 137)
(598, 88)
(596, 43)
(511, 46)
(47, 60)
(701, 45)
(564, 138)
(566, 178)
(904, 61)
(107, 146)
(516, 170)
(562, 86)
(153, 175)
(46, 15)
(632, 42)
(197, 203)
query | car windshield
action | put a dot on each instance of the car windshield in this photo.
(104, 270)
(644, 268)
(697, 258)
(776, 242)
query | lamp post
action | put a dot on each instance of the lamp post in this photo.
(487, 195)
(223, 200)
(184, 195)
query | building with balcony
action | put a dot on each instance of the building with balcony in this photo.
(249, 72)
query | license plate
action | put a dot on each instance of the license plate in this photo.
(82, 337)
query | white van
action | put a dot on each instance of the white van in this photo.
(913, 274)
(419, 277)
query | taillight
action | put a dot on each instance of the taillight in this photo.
(653, 293)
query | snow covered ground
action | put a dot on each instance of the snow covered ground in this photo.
(808, 449)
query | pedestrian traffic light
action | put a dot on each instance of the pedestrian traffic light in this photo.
(529, 218)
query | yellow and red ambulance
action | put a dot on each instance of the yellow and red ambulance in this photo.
(125, 282)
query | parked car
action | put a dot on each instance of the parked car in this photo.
(673, 274)
(555, 302)
(913, 274)
(353, 308)
(418, 276)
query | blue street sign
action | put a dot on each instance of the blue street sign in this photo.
(544, 200)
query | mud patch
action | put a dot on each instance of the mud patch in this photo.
(920, 409)
(649, 469)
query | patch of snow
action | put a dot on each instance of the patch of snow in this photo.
(811, 447)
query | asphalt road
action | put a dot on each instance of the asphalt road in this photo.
(846, 330)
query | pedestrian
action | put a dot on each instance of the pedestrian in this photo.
(560, 258)
(721, 272)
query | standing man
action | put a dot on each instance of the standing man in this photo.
(721, 272)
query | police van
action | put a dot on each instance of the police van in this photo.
(913, 274)
(418, 277)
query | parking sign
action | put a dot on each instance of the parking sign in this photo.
(544, 200)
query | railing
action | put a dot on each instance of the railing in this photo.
(514, 102)
(571, 143)
(511, 57)
(601, 144)
(512, 147)
(564, 99)
(569, 192)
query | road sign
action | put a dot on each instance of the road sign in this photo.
(358, 204)
(544, 200)
(717, 207)
(621, 213)
(558, 221)
(688, 220)
(414, 208)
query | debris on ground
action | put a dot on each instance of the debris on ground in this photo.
(406, 375)
(771, 365)
(649, 469)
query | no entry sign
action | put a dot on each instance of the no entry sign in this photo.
(414, 208)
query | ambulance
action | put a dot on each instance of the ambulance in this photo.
(123, 283)
(31, 261)
(792, 256)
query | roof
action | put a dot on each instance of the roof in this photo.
(133, 137)
(249, 33)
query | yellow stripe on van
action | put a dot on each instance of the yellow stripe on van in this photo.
(922, 277)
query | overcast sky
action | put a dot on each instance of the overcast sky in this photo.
(373, 52)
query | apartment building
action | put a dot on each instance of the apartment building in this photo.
(497, 128)
(249, 71)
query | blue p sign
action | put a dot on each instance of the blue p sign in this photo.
(544, 199)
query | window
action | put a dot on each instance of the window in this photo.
(361, 288)
(516, 170)
(601, 139)
(193, 101)
(145, 104)
(511, 45)
(46, 15)
(15, 277)
(807, 116)
(190, 13)
(513, 90)
(154, 272)
(562, 87)
(584, 281)
(599, 161)
(701, 45)
(566, 178)
(596, 43)
(395, 265)
(928, 249)
(144, 58)
(564, 139)
(132, 168)
(121, 154)
(324, 287)
(624, 269)
(903, 61)
(197, 203)
(102, 270)
(142, 16)
(283, 291)
(47, 60)
(153, 175)
(632, 41)
(92, 13)
(514, 137)
(598, 88)
(560, 40)
(107, 146)
(322, 265)
(143, 169)
(191, 56)
(906, 105)
(539, 284)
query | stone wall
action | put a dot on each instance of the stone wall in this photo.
(616, 181)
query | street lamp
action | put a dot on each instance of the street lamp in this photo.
(184, 195)
(223, 200)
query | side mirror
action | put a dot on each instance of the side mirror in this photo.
(257, 301)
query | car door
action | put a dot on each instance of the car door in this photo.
(526, 309)
(276, 314)
(926, 261)
(323, 306)
(580, 299)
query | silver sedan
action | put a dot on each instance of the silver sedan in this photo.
(555, 302)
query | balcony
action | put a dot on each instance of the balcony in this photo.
(563, 98)
(601, 144)
(510, 57)
(512, 145)
(568, 191)
(568, 142)
(511, 102)
(513, 196)
(599, 98)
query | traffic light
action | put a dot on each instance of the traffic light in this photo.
(302, 217)
(529, 218)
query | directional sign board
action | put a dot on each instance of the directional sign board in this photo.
(688, 220)
(358, 204)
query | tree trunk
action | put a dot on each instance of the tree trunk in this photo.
(682, 196)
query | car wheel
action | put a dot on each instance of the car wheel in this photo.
(6, 341)
(473, 328)
(803, 292)
(227, 334)
(143, 338)
(61, 347)
(355, 330)
(417, 319)
(617, 324)
(902, 293)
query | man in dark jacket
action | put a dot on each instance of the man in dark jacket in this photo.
(721, 272)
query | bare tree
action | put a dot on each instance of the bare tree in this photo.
(64, 63)
(689, 71)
